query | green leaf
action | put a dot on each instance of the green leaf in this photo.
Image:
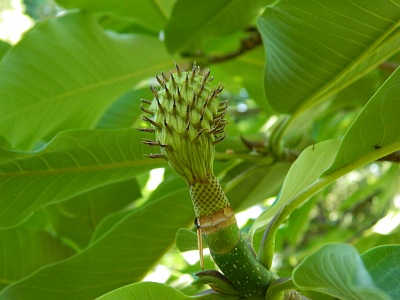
(383, 263)
(243, 191)
(306, 170)
(43, 94)
(248, 69)
(150, 13)
(376, 129)
(315, 48)
(4, 47)
(337, 270)
(24, 251)
(125, 111)
(186, 240)
(122, 255)
(144, 291)
(153, 291)
(217, 281)
(376, 239)
(192, 21)
(77, 218)
(73, 163)
(374, 134)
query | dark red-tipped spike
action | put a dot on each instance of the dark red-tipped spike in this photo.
(199, 133)
(178, 92)
(155, 93)
(208, 101)
(145, 101)
(206, 75)
(164, 145)
(188, 125)
(178, 70)
(223, 106)
(148, 111)
(154, 123)
(173, 105)
(157, 155)
(172, 79)
(201, 116)
(151, 130)
(167, 93)
(219, 139)
(187, 80)
(221, 130)
(217, 126)
(161, 82)
(187, 111)
(164, 77)
(166, 125)
(200, 90)
(150, 142)
(193, 72)
(223, 103)
(220, 115)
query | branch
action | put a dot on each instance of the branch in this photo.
(389, 66)
(392, 157)
(246, 44)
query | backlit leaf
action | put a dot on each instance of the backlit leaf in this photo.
(315, 48)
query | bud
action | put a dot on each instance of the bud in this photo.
(188, 121)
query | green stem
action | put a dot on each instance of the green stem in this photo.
(229, 249)
(284, 288)
(275, 140)
(267, 246)
(239, 265)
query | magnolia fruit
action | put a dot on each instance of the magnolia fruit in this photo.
(188, 121)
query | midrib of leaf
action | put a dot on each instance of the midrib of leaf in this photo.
(103, 167)
(82, 90)
(324, 180)
(329, 89)
(159, 8)
(330, 177)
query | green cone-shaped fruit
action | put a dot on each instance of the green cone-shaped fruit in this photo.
(188, 121)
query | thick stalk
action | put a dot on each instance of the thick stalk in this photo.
(228, 248)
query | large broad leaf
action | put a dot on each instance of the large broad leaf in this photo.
(305, 171)
(120, 256)
(154, 291)
(145, 291)
(248, 70)
(4, 47)
(383, 263)
(376, 129)
(374, 134)
(77, 218)
(64, 74)
(337, 270)
(315, 48)
(192, 21)
(125, 111)
(151, 13)
(243, 191)
(24, 251)
(73, 163)
(186, 240)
